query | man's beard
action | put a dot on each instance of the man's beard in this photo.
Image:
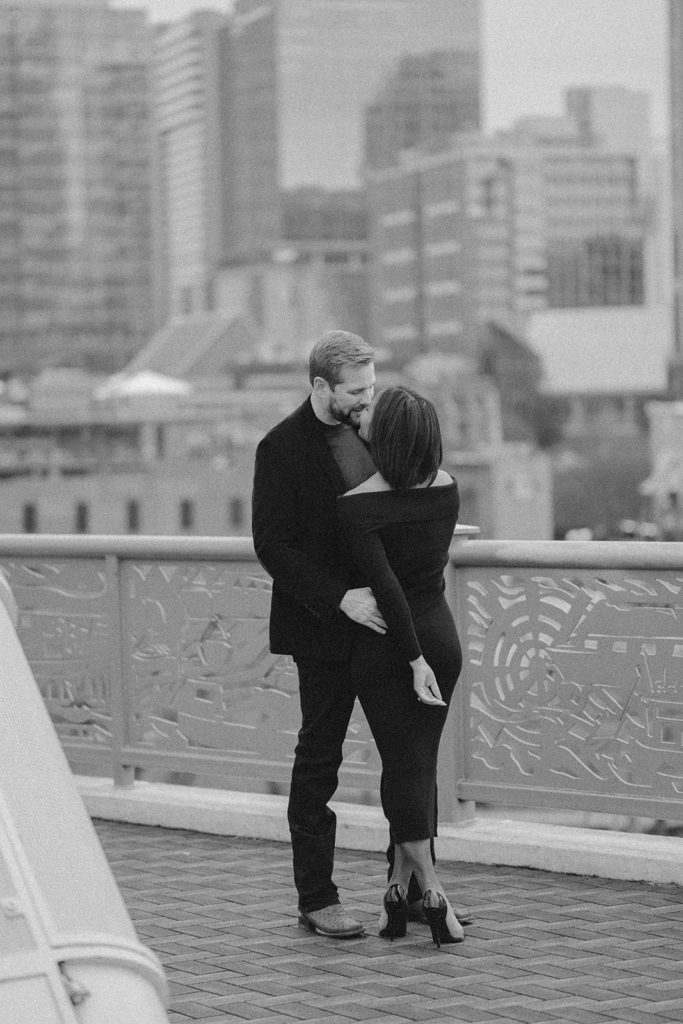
(350, 418)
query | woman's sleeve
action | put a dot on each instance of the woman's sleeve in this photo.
(370, 556)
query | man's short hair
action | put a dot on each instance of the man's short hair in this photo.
(334, 351)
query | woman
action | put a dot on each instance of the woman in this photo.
(400, 525)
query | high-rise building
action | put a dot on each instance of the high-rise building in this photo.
(598, 198)
(74, 187)
(634, 267)
(676, 71)
(423, 101)
(303, 73)
(456, 239)
(495, 229)
(191, 150)
(596, 227)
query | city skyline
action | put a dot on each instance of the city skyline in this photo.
(300, 110)
(550, 45)
(75, 268)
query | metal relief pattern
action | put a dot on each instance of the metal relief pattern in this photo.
(202, 677)
(575, 680)
(65, 630)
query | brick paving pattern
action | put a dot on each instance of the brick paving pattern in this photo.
(544, 948)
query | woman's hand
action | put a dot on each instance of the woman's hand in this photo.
(425, 685)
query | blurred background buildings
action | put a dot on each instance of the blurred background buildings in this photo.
(75, 135)
(187, 206)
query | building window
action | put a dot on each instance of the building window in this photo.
(397, 218)
(446, 287)
(442, 328)
(186, 301)
(406, 293)
(133, 516)
(29, 518)
(186, 514)
(395, 257)
(160, 441)
(237, 512)
(256, 299)
(442, 209)
(400, 332)
(447, 247)
(596, 271)
(82, 517)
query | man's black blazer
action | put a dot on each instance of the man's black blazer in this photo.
(298, 539)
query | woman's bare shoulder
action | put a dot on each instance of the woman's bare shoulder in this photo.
(442, 479)
(372, 484)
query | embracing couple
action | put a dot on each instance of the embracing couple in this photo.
(353, 518)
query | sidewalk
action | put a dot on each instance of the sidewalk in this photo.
(545, 947)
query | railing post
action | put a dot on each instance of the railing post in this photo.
(123, 774)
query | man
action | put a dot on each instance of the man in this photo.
(302, 465)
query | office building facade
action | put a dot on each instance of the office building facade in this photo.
(676, 72)
(495, 229)
(192, 179)
(596, 228)
(422, 102)
(456, 239)
(74, 189)
(303, 73)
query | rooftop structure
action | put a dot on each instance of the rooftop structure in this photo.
(610, 350)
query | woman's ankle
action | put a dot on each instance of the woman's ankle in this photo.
(400, 881)
(432, 896)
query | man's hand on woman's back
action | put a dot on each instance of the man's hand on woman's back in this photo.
(360, 605)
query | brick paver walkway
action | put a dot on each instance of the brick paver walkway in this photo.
(544, 947)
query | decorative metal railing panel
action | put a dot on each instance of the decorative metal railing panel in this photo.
(573, 679)
(152, 657)
(199, 672)
(161, 664)
(66, 632)
(201, 680)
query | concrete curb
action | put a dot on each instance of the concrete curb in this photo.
(574, 850)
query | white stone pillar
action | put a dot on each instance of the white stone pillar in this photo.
(68, 949)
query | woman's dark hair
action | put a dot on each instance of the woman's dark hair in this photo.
(405, 438)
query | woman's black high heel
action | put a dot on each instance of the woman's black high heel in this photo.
(396, 908)
(436, 919)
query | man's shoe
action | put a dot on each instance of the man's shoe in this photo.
(416, 913)
(331, 921)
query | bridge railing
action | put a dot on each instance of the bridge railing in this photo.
(571, 695)
(152, 657)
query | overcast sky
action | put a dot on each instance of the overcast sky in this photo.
(534, 49)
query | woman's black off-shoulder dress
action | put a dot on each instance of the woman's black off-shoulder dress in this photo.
(400, 542)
